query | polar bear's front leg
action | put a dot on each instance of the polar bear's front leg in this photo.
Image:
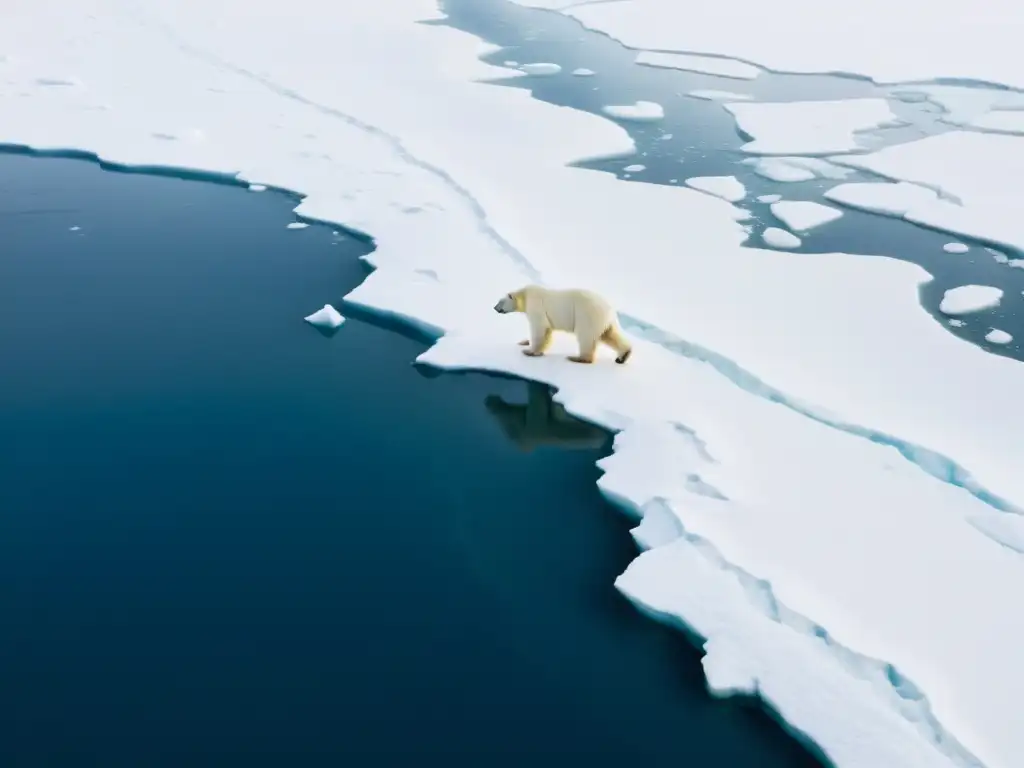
(540, 338)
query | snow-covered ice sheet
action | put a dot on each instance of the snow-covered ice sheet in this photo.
(977, 192)
(965, 299)
(726, 187)
(707, 65)
(888, 42)
(803, 215)
(808, 127)
(863, 538)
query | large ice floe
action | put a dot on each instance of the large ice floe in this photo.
(825, 481)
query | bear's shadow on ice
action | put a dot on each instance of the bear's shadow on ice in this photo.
(541, 422)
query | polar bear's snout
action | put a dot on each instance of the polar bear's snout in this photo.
(505, 305)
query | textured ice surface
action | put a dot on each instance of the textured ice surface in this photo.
(708, 65)
(780, 238)
(808, 127)
(965, 299)
(975, 178)
(726, 187)
(641, 111)
(803, 215)
(327, 317)
(831, 559)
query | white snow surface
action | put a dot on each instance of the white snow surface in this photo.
(325, 317)
(787, 529)
(808, 127)
(977, 192)
(641, 111)
(780, 238)
(965, 299)
(887, 42)
(707, 65)
(726, 187)
(713, 95)
(803, 215)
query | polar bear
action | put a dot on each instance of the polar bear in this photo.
(583, 313)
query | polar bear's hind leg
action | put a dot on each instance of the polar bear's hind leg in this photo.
(613, 337)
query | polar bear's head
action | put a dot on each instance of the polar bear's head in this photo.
(510, 302)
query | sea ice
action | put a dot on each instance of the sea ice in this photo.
(257, 188)
(327, 317)
(641, 111)
(803, 215)
(780, 238)
(298, 225)
(996, 336)
(966, 299)
(726, 187)
(540, 68)
(768, 198)
(808, 127)
(1007, 121)
(881, 197)
(713, 95)
(975, 176)
(707, 65)
(793, 169)
(583, 72)
(956, 248)
(634, 168)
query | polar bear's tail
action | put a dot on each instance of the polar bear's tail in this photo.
(614, 338)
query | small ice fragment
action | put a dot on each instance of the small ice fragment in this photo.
(956, 248)
(634, 168)
(780, 238)
(969, 298)
(75, 229)
(541, 68)
(957, 323)
(298, 225)
(583, 72)
(673, 181)
(641, 111)
(769, 198)
(996, 336)
(726, 187)
(511, 63)
(666, 137)
(257, 187)
(328, 317)
(804, 215)
(712, 95)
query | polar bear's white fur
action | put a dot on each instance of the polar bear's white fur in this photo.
(580, 312)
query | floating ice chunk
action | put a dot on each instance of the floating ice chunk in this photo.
(769, 198)
(882, 197)
(956, 248)
(970, 298)
(726, 187)
(257, 188)
(956, 323)
(977, 192)
(780, 238)
(808, 127)
(511, 63)
(641, 111)
(792, 169)
(298, 225)
(583, 72)
(541, 68)
(75, 228)
(327, 317)
(713, 95)
(666, 137)
(804, 215)
(706, 65)
(996, 336)
(634, 168)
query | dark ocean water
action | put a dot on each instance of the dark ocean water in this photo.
(700, 138)
(228, 539)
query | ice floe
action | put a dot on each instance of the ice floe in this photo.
(780, 238)
(803, 215)
(641, 111)
(996, 336)
(540, 68)
(726, 187)
(808, 127)
(966, 299)
(792, 169)
(326, 317)
(956, 248)
(583, 72)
